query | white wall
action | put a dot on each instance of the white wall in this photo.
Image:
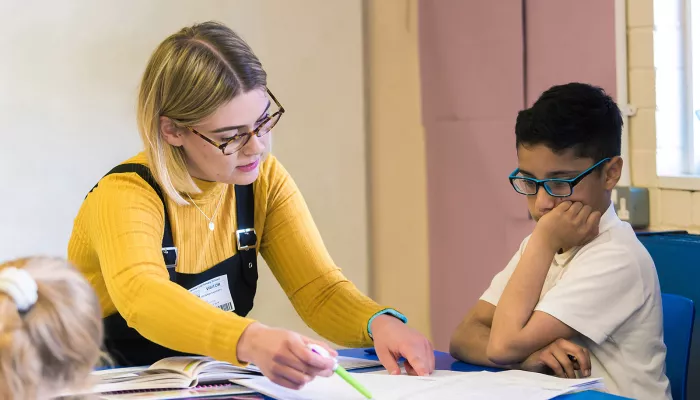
(68, 83)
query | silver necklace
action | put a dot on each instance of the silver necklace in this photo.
(211, 220)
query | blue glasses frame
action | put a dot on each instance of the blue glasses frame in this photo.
(570, 183)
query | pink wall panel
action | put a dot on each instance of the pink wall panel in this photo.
(474, 80)
(569, 40)
(476, 220)
(472, 86)
(471, 58)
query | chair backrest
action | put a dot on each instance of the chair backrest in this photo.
(679, 314)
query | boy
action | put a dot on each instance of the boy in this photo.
(582, 293)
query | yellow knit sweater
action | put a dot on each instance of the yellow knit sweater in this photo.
(116, 243)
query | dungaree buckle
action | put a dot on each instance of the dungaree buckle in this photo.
(170, 256)
(246, 239)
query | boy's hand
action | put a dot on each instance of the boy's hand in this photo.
(561, 358)
(568, 225)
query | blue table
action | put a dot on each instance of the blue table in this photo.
(446, 362)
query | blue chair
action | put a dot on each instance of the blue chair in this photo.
(679, 315)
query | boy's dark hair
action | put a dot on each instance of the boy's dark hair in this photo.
(574, 116)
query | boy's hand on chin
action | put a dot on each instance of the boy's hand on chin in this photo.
(568, 225)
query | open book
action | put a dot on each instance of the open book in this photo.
(188, 372)
(169, 373)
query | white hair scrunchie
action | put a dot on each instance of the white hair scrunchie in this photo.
(20, 286)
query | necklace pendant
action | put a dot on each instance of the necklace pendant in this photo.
(211, 226)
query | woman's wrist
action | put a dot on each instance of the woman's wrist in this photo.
(383, 321)
(247, 342)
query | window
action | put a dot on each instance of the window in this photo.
(677, 64)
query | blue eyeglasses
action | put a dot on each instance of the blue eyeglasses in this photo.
(554, 187)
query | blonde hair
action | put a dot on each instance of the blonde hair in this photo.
(189, 76)
(53, 346)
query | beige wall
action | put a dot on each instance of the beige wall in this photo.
(400, 274)
(68, 83)
(670, 209)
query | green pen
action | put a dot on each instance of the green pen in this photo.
(341, 371)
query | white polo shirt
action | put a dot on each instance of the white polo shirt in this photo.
(608, 291)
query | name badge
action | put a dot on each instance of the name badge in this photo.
(215, 292)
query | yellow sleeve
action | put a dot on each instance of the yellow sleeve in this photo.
(292, 246)
(125, 225)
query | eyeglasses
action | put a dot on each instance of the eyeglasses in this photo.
(239, 140)
(554, 187)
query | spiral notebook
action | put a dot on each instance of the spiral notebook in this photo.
(224, 391)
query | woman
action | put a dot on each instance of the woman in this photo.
(169, 239)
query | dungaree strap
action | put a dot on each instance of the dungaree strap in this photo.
(168, 246)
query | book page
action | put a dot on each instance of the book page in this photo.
(218, 371)
(155, 381)
(187, 366)
(513, 384)
(455, 388)
(349, 363)
(109, 373)
(438, 373)
(547, 381)
(173, 372)
(382, 387)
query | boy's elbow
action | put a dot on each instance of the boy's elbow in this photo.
(458, 343)
(501, 352)
(455, 347)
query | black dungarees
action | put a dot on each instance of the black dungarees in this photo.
(124, 344)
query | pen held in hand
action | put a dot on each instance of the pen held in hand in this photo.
(576, 364)
(340, 371)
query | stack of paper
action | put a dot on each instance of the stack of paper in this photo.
(473, 385)
(522, 378)
(382, 387)
(506, 385)
(192, 373)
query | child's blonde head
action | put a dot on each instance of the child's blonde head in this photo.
(53, 345)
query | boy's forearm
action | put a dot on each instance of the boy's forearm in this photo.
(469, 345)
(518, 302)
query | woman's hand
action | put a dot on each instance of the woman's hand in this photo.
(393, 339)
(283, 356)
